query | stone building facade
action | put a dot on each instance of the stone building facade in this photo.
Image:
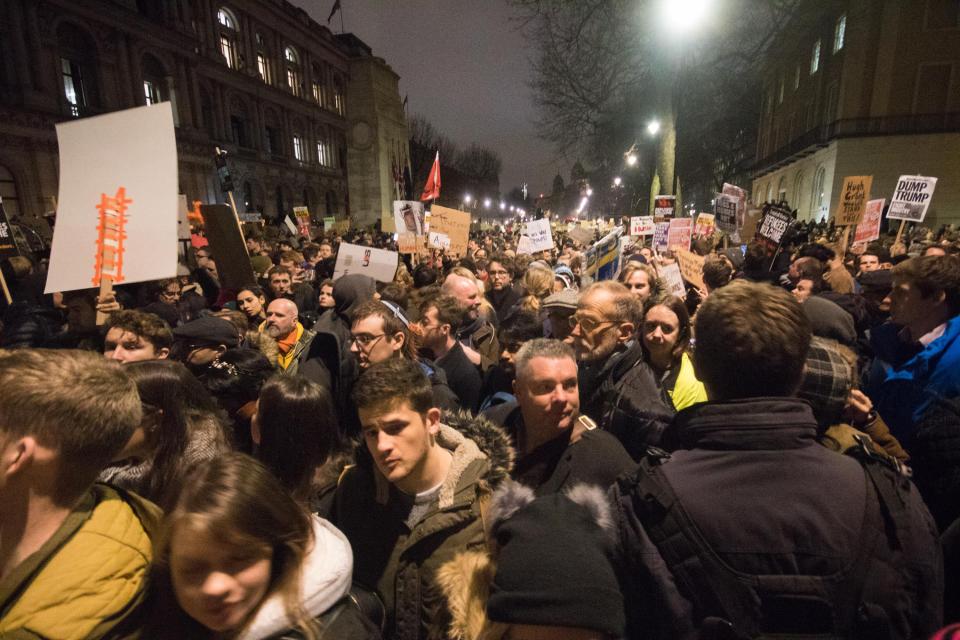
(861, 87)
(257, 78)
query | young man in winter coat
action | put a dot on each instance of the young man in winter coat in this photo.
(416, 499)
(750, 527)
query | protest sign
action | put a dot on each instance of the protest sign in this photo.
(8, 245)
(117, 204)
(379, 264)
(740, 197)
(329, 223)
(869, 228)
(407, 242)
(292, 227)
(775, 222)
(603, 258)
(664, 206)
(302, 214)
(660, 231)
(751, 220)
(581, 235)
(342, 226)
(539, 237)
(705, 224)
(408, 216)
(252, 216)
(228, 246)
(679, 233)
(673, 279)
(725, 213)
(438, 240)
(183, 222)
(455, 224)
(853, 199)
(911, 198)
(691, 268)
(641, 225)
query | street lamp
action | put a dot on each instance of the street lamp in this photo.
(632, 159)
(681, 16)
(486, 203)
(589, 192)
(503, 205)
(467, 199)
(617, 181)
(653, 127)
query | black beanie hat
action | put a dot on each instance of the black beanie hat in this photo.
(554, 565)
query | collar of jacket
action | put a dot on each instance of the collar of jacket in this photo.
(470, 440)
(749, 424)
(617, 364)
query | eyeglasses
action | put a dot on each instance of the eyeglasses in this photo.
(366, 340)
(587, 324)
(498, 273)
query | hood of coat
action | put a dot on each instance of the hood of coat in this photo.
(351, 290)
(470, 440)
(325, 578)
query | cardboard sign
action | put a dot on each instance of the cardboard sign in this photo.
(539, 236)
(455, 224)
(641, 225)
(869, 227)
(673, 279)
(911, 198)
(691, 268)
(379, 264)
(725, 213)
(8, 245)
(407, 243)
(660, 232)
(603, 258)
(775, 222)
(679, 233)
(183, 223)
(581, 235)
(740, 197)
(252, 216)
(228, 246)
(438, 240)
(117, 204)
(302, 214)
(664, 206)
(749, 229)
(408, 217)
(705, 224)
(853, 199)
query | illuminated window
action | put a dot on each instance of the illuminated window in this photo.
(294, 76)
(298, 147)
(228, 36)
(839, 31)
(263, 67)
(815, 58)
(317, 85)
(73, 86)
(338, 98)
(226, 19)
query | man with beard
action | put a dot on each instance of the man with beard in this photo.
(293, 340)
(477, 336)
(440, 317)
(617, 387)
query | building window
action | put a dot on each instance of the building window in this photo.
(238, 128)
(770, 192)
(318, 88)
(780, 90)
(942, 14)
(73, 86)
(155, 82)
(839, 31)
(298, 148)
(815, 58)
(797, 190)
(324, 150)
(782, 189)
(151, 92)
(816, 200)
(338, 98)
(263, 67)
(274, 144)
(247, 197)
(796, 78)
(294, 76)
(228, 36)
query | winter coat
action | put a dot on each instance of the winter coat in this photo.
(935, 458)
(735, 466)
(88, 580)
(483, 340)
(400, 563)
(904, 382)
(443, 396)
(504, 302)
(622, 394)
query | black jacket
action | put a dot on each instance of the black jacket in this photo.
(935, 458)
(596, 458)
(504, 302)
(462, 376)
(622, 395)
(768, 500)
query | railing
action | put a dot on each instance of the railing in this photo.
(859, 127)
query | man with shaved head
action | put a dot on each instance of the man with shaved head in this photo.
(477, 336)
(293, 340)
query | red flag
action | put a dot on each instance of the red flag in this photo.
(431, 191)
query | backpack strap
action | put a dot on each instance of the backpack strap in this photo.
(888, 480)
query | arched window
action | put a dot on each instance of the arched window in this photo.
(816, 198)
(782, 189)
(155, 82)
(264, 66)
(324, 148)
(294, 75)
(227, 36)
(78, 65)
(8, 191)
(797, 190)
(206, 113)
(770, 192)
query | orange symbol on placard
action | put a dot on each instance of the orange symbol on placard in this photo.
(111, 234)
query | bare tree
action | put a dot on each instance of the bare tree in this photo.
(481, 164)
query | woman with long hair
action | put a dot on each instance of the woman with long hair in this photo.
(237, 557)
(295, 430)
(665, 334)
(252, 301)
(538, 283)
(182, 428)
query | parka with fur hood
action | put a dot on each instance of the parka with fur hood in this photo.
(400, 563)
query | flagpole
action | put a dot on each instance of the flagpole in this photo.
(341, 19)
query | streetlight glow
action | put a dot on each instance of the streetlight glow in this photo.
(617, 181)
(467, 199)
(486, 203)
(589, 192)
(683, 16)
(632, 159)
(503, 205)
(653, 127)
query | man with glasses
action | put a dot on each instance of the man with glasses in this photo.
(502, 294)
(198, 343)
(617, 387)
(440, 317)
(380, 332)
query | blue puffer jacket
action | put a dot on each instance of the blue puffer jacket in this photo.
(902, 386)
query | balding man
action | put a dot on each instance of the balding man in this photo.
(617, 387)
(293, 340)
(477, 336)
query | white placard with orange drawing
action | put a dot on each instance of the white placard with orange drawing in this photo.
(117, 213)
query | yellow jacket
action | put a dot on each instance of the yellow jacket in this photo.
(688, 391)
(89, 579)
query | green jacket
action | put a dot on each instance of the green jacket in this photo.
(89, 579)
(400, 563)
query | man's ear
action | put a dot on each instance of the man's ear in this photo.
(433, 420)
(162, 353)
(221, 349)
(17, 455)
(626, 331)
(399, 339)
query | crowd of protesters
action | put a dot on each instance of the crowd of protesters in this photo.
(491, 446)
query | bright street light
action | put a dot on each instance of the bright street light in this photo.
(653, 127)
(468, 198)
(632, 159)
(503, 205)
(486, 203)
(617, 181)
(682, 16)
(589, 192)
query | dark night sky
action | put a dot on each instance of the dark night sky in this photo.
(465, 67)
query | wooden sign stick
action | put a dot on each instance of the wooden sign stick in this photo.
(106, 291)
(900, 231)
(6, 291)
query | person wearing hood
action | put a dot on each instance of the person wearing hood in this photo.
(239, 558)
(415, 498)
